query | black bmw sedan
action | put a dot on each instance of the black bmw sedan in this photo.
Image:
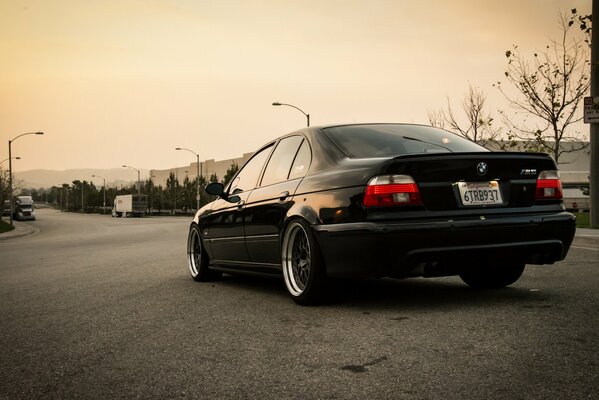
(381, 200)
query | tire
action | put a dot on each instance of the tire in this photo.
(303, 267)
(197, 258)
(492, 277)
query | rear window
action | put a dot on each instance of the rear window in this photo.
(388, 140)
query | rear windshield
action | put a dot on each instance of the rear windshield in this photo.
(388, 140)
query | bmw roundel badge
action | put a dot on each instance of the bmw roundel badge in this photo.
(482, 168)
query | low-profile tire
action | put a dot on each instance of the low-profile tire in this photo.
(492, 277)
(303, 267)
(197, 258)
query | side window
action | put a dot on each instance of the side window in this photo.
(247, 178)
(278, 167)
(302, 161)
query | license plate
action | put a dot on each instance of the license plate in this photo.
(480, 193)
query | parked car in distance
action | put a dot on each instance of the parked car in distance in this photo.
(381, 200)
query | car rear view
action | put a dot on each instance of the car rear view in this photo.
(437, 204)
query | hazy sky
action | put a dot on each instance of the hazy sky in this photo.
(126, 81)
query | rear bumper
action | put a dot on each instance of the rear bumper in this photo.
(435, 248)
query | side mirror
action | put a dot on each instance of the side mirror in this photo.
(218, 189)
(215, 189)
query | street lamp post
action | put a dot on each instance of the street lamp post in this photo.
(104, 189)
(197, 177)
(138, 181)
(276, 103)
(10, 168)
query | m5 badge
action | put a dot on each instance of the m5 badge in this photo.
(528, 172)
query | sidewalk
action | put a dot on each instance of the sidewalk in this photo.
(21, 229)
(586, 232)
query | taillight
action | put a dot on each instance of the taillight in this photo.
(549, 186)
(391, 190)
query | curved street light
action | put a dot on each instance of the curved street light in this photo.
(6, 159)
(10, 168)
(138, 181)
(276, 103)
(197, 176)
(103, 187)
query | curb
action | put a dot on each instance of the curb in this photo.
(20, 231)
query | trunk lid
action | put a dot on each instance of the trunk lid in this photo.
(439, 177)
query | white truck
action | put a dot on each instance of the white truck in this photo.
(129, 205)
(23, 210)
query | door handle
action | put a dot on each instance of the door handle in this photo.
(240, 204)
(283, 196)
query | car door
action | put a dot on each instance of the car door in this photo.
(225, 224)
(267, 205)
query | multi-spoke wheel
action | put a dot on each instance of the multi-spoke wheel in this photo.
(303, 270)
(496, 275)
(197, 258)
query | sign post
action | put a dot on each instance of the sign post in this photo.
(594, 136)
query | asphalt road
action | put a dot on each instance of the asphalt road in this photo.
(104, 308)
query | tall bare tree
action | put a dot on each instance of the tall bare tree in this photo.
(476, 123)
(5, 193)
(4, 190)
(548, 92)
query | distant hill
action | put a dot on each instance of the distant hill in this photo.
(43, 178)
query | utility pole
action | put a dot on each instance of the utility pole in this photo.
(594, 136)
(199, 173)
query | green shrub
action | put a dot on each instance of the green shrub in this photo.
(5, 227)
(583, 219)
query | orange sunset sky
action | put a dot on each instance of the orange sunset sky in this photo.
(125, 82)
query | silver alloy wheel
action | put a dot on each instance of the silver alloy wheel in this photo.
(194, 252)
(297, 260)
